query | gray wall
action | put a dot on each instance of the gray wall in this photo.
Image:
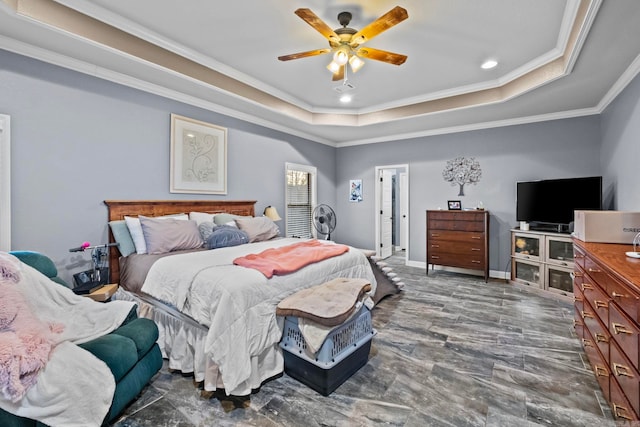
(620, 154)
(554, 149)
(78, 140)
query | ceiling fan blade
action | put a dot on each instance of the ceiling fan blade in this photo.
(304, 54)
(382, 55)
(320, 26)
(386, 21)
(339, 75)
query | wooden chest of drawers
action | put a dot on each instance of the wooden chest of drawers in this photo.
(458, 239)
(607, 321)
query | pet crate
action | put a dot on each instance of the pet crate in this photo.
(344, 351)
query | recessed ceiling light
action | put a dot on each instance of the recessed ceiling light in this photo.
(489, 64)
(345, 99)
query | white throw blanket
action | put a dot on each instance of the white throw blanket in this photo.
(75, 388)
(238, 304)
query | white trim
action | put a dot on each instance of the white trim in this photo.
(5, 182)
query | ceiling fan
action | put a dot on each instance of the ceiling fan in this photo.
(346, 43)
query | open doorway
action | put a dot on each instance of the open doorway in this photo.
(392, 210)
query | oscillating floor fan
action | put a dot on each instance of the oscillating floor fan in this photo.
(324, 220)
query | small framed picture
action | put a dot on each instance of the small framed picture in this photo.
(455, 205)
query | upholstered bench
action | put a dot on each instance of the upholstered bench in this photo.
(327, 333)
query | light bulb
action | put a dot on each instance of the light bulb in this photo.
(341, 57)
(333, 67)
(356, 63)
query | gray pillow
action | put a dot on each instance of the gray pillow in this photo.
(206, 228)
(168, 234)
(259, 228)
(223, 218)
(224, 236)
(122, 237)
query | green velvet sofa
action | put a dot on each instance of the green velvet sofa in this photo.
(130, 352)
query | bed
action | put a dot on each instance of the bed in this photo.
(217, 319)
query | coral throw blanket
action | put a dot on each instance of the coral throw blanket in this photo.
(287, 259)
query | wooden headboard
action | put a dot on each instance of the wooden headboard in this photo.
(119, 208)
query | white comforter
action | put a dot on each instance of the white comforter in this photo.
(75, 388)
(238, 304)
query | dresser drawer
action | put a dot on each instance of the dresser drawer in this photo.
(620, 406)
(468, 237)
(596, 298)
(472, 261)
(626, 299)
(578, 323)
(444, 224)
(463, 249)
(597, 330)
(457, 216)
(598, 365)
(625, 333)
(626, 376)
(578, 256)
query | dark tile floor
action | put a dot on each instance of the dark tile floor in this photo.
(451, 350)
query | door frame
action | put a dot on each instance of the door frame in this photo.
(378, 203)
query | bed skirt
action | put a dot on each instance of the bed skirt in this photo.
(182, 340)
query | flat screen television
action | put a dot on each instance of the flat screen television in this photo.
(549, 204)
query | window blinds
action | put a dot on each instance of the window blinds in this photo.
(299, 203)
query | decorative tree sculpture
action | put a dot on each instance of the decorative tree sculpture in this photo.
(462, 171)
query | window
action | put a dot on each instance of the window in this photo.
(300, 199)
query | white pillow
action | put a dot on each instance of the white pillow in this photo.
(135, 229)
(200, 217)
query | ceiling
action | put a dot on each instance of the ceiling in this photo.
(556, 59)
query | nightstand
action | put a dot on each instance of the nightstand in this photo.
(103, 294)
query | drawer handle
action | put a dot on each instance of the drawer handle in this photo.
(617, 412)
(475, 262)
(435, 246)
(601, 338)
(435, 257)
(622, 371)
(577, 255)
(476, 249)
(617, 295)
(564, 263)
(601, 304)
(586, 286)
(476, 237)
(620, 329)
(586, 343)
(576, 323)
(435, 235)
(586, 314)
(594, 270)
(601, 372)
(576, 274)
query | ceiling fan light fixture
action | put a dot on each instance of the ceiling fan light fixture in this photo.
(341, 56)
(333, 67)
(356, 63)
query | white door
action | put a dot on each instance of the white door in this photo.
(404, 211)
(386, 213)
